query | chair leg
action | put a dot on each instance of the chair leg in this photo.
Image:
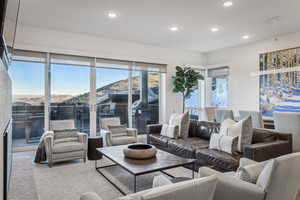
(50, 164)
(84, 159)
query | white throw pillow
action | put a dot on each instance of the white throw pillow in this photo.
(242, 130)
(227, 123)
(169, 131)
(182, 121)
(224, 143)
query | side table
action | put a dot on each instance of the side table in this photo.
(93, 143)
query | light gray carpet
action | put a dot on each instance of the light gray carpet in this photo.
(66, 181)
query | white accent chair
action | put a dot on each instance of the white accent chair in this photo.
(63, 142)
(196, 189)
(286, 122)
(129, 137)
(277, 179)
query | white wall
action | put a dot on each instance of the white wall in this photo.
(32, 38)
(242, 60)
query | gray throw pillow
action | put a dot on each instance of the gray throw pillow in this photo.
(65, 133)
(117, 130)
(250, 173)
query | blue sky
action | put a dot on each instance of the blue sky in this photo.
(28, 78)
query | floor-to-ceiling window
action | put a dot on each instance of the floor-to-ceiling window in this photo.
(51, 86)
(145, 99)
(70, 90)
(194, 104)
(112, 94)
(218, 86)
(28, 102)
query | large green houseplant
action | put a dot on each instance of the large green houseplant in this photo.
(185, 82)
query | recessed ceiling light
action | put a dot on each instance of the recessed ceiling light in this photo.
(245, 37)
(228, 3)
(174, 28)
(112, 14)
(214, 29)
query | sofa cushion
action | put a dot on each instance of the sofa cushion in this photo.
(158, 140)
(262, 136)
(222, 160)
(67, 147)
(187, 147)
(123, 140)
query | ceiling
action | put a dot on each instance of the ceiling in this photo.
(149, 22)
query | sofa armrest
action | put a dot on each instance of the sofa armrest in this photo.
(153, 128)
(83, 138)
(49, 142)
(206, 171)
(90, 196)
(229, 187)
(246, 161)
(132, 132)
(265, 151)
(108, 138)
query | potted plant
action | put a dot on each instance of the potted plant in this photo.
(185, 81)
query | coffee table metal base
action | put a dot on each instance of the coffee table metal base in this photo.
(98, 169)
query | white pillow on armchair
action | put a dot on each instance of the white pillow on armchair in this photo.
(170, 131)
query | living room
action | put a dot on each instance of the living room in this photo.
(199, 92)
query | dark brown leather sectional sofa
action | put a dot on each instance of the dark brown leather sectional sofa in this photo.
(266, 144)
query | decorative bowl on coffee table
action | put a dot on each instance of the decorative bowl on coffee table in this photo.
(139, 151)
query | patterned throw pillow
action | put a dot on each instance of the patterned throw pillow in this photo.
(250, 173)
(117, 130)
(223, 143)
(169, 131)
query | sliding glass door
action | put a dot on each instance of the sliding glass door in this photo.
(50, 86)
(145, 99)
(112, 94)
(28, 102)
(70, 90)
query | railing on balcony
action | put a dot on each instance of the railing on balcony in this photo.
(28, 121)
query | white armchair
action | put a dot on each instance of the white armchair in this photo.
(115, 133)
(64, 142)
(277, 179)
(196, 189)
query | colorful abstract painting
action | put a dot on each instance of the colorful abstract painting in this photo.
(280, 81)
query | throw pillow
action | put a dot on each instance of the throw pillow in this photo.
(225, 125)
(242, 130)
(169, 131)
(182, 121)
(250, 173)
(265, 176)
(224, 143)
(117, 130)
(58, 134)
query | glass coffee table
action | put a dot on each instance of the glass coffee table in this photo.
(161, 162)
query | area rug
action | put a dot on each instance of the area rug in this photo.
(67, 181)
